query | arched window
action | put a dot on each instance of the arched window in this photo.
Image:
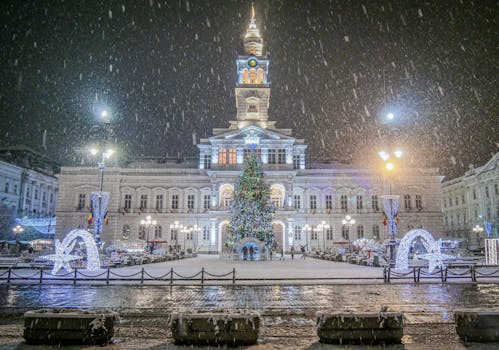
(252, 76)
(126, 232)
(158, 231)
(259, 78)
(276, 197)
(360, 231)
(142, 232)
(244, 75)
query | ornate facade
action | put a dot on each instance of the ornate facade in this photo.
(471, 200)
(311, 199)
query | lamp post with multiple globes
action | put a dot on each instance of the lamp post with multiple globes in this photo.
(348, 222)
(147, 223)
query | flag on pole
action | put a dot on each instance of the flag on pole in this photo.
(384, 219)
(90, 217)
(106, 218)
(396, 217)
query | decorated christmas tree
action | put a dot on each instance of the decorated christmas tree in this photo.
(251, 211)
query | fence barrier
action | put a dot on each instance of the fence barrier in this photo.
(472, 273)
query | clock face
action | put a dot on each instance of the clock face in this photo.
(252, 62)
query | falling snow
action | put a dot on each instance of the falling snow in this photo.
(165, 70)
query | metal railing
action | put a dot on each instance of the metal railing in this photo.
(416, 274)
(19, 275)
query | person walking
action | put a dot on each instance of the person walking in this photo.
(282, 254)
(302, 248)
(292, 253)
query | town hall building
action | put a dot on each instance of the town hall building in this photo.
(190, 200)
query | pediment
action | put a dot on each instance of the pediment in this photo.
(248, 132)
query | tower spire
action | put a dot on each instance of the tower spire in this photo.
(253, 42)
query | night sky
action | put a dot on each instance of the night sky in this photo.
(165, 71)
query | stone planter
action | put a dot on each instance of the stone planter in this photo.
(477, 326)
(68, 326)
(360, 328)
(230, 328)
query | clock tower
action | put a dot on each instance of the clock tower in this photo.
(253, 86)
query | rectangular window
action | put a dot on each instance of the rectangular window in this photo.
(345, 233)
(188, 236)
(445, 203)
(190, 201)
(297, 201)
(143, 201)
(206, 201)
(232, 156)
(173, 235)
(462, 199)
(175, 201)
(36, 193)
(281, 156)
(272, 156)
(44, 196)
(207, 161)
(359, 203)
(407, 202)
(329, 234)
(376, 232)
(296, 161)
(159, 202)
(464, 218)
(360, 231)
(51, 198)
(128, 201)
(450, 201)
(344, 202)
(374, 202)
(313, 235)
(313, 202)
(81, 201)
(206, 233)
(297, 233)
(487, 192)
(6, 188)
(474, 194)
(257, 153)
(419, 202)
(329, 202)
(222, 156)
(496, 189)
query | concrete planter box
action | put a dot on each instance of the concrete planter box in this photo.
(360, 328)
(232, 329)
(68, 326)
(477, 326)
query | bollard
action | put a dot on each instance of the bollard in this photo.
(41, 275)
(202, 275)
(233, 275)
(389, 273)
(171, 276)
(74, 276)
(414, 275)
(8, 276)
(473, 274)
(107, 277)
(142, 276)
(445, 275)
(419, 273)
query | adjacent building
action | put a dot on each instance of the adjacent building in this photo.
(28, 184)
(471, 204)
(190, 199)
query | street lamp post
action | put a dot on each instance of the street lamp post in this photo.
(307, 229)
(177, 227)
(391, 203)
(99, 215)
(148, 222)
(348, 222)
(323, 226)
(17, 230)
(478, 230)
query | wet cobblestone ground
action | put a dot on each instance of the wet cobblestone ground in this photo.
(288, 311)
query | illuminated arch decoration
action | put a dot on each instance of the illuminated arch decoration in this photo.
(63, 250)
(434, 255)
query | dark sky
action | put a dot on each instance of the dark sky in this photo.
(165, 70)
